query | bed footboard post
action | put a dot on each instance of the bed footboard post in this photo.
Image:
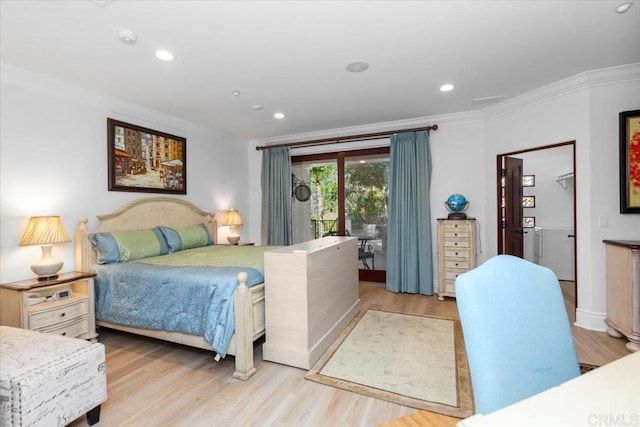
(243, 308)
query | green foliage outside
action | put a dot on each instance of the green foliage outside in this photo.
(324, 191)
(366, 192)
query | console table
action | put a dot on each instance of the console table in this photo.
(623, 291)
(605, 396)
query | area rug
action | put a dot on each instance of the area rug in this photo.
(411, 360)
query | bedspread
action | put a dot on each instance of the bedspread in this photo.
(184, 297)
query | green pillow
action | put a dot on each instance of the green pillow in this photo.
(182, 238)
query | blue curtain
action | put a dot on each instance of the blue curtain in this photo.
(409, 257)
(276, 196)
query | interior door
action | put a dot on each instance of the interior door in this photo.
(513, 212)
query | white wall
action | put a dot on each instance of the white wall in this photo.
(53, 157)
(554, 202)
(583, 108)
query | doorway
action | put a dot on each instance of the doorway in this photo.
(546, 202)
(349, 196)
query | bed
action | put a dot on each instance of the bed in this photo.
(248, 311)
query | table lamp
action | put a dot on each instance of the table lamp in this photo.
(45, 231)
(232, 219)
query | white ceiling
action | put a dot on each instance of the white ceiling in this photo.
(290, 56)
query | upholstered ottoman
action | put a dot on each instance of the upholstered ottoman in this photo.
(49, 380)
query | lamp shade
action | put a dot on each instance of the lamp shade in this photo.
(232, 218)
(44, 230)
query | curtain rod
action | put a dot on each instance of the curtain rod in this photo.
(340, 140)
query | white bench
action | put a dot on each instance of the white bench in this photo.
(49, 380)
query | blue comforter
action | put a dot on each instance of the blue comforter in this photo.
(187, 299)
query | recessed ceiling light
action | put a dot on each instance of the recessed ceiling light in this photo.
(127, 36)
(624, 7)
(279, 116)
(357, 67)
(236, 93)
(164, 55)
(257, 107)
(101, 3)
(446, 88)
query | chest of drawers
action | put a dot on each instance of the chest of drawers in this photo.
(456, 252)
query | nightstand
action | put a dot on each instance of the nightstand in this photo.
(31, 304)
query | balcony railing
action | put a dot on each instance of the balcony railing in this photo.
(321, 228)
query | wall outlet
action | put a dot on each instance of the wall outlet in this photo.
(603, 221)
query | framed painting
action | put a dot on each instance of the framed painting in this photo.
(145, 160)
(630, 161)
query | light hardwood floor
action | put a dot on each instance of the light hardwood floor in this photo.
(153, 383)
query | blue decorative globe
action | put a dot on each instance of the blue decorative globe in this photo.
(456, 203)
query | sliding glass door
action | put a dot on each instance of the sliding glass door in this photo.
(349, 193)
(316, 216)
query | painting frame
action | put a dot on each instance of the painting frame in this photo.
(629, 122)
(144, 160)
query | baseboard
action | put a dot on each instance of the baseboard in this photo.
(590, 320)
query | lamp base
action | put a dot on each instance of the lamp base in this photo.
(47, 271)
(233, 239)
(48, 266)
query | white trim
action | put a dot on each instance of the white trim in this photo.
(440, 120)
(588, 79)
(590, 320)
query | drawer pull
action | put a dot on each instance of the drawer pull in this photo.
(455, 234)
(456, 264)
(63, 314)
(456, 243)
(456, 253)
(64, 333)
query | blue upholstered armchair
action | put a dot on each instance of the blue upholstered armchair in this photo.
(516, 331)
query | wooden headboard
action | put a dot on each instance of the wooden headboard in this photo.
(142, 213)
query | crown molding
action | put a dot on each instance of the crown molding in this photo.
(586, 80)
(440, 120)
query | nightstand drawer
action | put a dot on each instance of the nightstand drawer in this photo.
(72, 328)
(43, 316)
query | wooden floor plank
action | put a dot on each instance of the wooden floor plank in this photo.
(154, 383)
